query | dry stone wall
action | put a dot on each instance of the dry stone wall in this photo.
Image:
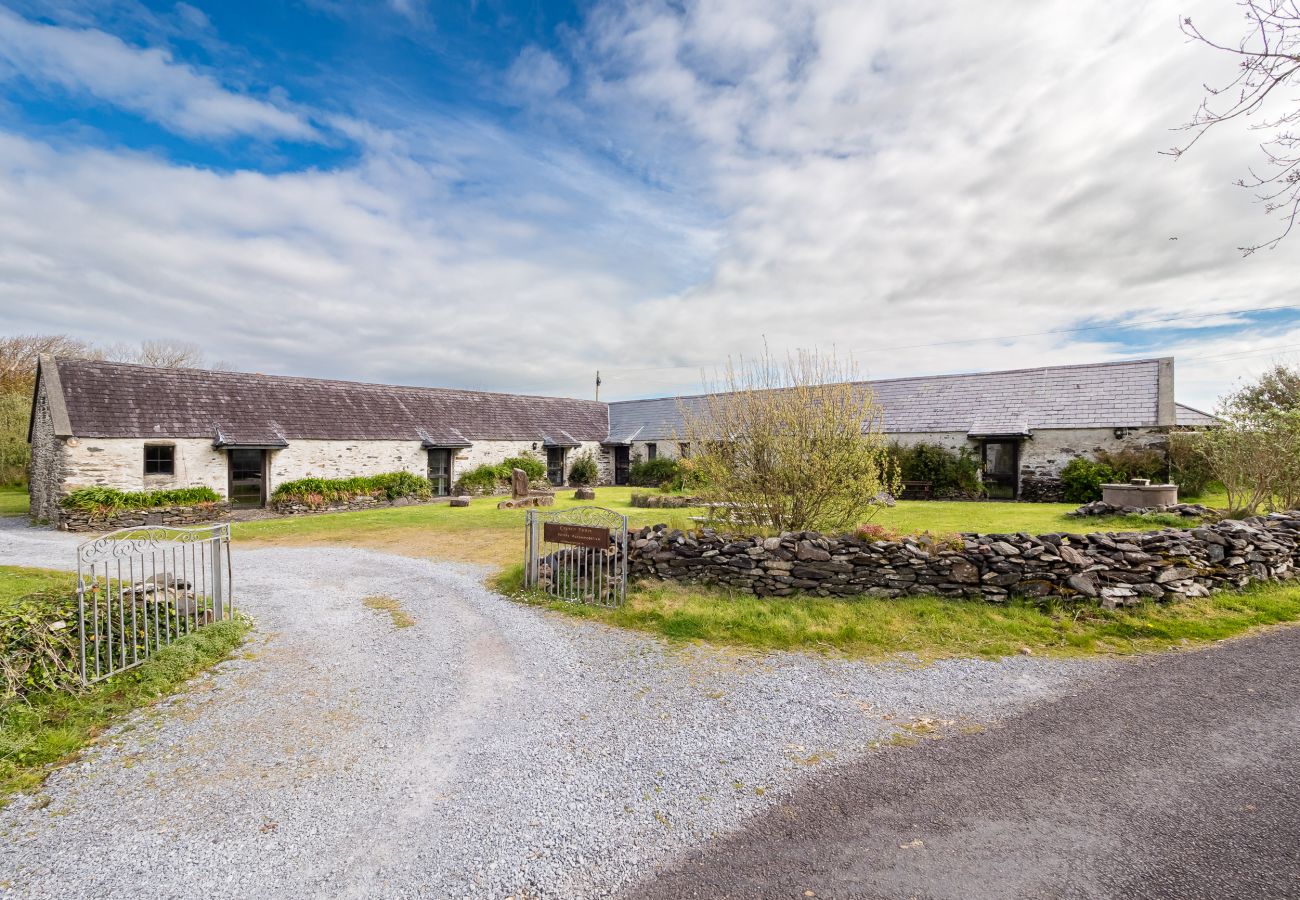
(1114, 569)
(81, 520)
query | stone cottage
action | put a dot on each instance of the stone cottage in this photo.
(137, 428)
(1025, 425)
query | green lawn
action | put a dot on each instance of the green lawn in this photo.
(484, 534)
(13, 501)
(47, 729)
(929, 627)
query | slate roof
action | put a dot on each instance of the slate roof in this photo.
(1101, 395)
(117, 400)
(1191, 417)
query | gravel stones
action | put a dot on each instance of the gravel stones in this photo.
(491, 749)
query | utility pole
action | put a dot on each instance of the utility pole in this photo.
(598, 385)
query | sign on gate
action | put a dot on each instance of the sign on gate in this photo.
(138, 589)
(577, 554)
(578, 535)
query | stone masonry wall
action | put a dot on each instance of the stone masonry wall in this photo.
(1113, 569)
(45, 474)
(78, 520)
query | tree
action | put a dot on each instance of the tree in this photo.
(1269, 57)
(19, 354)
(1276, 389)
(790, 444)
(161, 354)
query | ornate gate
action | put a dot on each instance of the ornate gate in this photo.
(577, 554)
(138, 589)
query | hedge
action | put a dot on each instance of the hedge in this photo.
(653, 472)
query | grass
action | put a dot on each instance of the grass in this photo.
(18, 581)
(49, 729)
(481, 533)
(13, 500)
(929, 627)
(398, 616)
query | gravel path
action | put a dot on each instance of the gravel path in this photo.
(490, 750)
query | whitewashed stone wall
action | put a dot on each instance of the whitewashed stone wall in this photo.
(344, 459)
(119, 463)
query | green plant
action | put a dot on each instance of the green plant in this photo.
(1083, 479)
(1136, 462)
(533, 467)
(950, 473)
(1188, 466)
(584, 470)
(319, 491)
(652, 472)
(103, 500)
(481, 479)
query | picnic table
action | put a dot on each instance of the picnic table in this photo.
(917, 490)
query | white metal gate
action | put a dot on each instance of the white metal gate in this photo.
(577, 554)
(138, 589)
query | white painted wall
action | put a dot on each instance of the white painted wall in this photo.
(119, 463)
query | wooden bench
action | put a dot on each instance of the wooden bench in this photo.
(917, 490)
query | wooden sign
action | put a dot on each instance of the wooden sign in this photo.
(578, 535)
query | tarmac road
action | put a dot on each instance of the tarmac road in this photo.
(1173, 777)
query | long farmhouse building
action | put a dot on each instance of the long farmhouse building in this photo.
(139, 428)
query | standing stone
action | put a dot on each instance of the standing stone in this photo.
(518, 484)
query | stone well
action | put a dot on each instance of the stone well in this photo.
(1139, 493)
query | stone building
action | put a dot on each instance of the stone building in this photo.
(137, 428)
(1025, 425)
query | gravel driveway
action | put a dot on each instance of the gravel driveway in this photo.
(490, 750)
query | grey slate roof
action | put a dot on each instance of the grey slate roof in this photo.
(1191, 417)
(117, 400)
(1100, 395)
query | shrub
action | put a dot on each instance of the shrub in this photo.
(951, 473)
(1136, 462)
(533, 467)
(1188, 467)
(1083, 479)
(652, 472)
(584, 470)
(485, 479)
(39, 647)
(689, 477)
(320, 491)
(105, 500)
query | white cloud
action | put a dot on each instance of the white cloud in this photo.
(872, 177)
(145, 81)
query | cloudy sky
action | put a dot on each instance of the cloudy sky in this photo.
(513, 195)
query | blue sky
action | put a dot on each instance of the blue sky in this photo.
(513, 195)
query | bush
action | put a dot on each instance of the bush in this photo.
(319, 491)
(106, 500)
(39, 647)
(653, 472)
(584, 470)
(533, 467)
(483, 479)
(1188, 467)
(689, 477)
(1083, 479)
(1136, 462)
(950, 473)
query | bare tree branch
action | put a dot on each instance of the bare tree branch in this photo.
(1269, 56)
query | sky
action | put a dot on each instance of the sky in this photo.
(512, 196)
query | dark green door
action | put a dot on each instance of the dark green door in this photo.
(1002, 469)
(440, 472)
(555, 465)
(248, 478)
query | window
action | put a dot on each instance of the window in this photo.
(651, 451)
(159, 459)
(684, 449)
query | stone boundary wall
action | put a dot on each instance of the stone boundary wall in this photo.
(200, 514)
(1118, 569)
(300, 508)
(663, 501)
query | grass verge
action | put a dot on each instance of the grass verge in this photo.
(928, 627)
(48, 729)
